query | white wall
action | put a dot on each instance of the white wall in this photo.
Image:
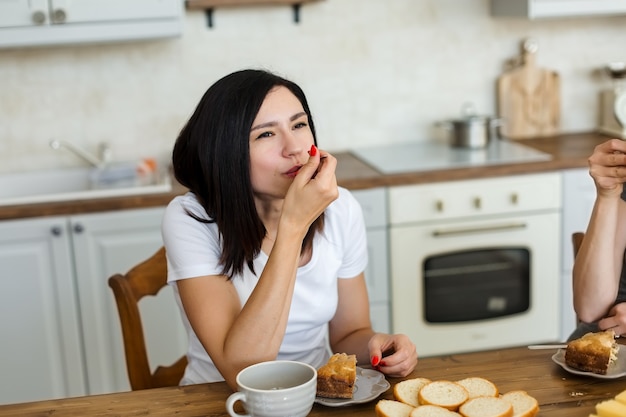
(375, 72)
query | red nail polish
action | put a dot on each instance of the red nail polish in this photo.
(382, 363)
(313, 150)
(375, 360)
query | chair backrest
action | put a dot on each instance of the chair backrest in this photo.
(577, 240)
(147, 278)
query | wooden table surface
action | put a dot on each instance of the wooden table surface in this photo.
(560, 394)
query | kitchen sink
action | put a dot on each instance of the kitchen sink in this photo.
(79, 184)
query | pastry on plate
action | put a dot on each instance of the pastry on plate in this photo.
(594, 352)
(336, 378)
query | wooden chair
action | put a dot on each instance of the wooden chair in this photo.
(577, 240)
(147, 278)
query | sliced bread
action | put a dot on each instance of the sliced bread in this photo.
(391, 408)
(479, 387)
(446, 394)
(407, 390)
(486, 407)
(523, 404)
(433, 411)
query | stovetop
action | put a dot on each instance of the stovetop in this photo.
(432, 156)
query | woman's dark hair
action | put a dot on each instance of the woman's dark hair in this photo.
(211, 157)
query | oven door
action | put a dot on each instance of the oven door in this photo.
(474, 285)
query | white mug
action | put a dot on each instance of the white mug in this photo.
(275, 389)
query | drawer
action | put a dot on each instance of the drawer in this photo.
(482, 197)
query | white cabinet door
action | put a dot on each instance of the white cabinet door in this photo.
(23, 13)
(105, 244)
(55, 22)
(80, 11)
(41, 356)
(537, 9)
(374, 205)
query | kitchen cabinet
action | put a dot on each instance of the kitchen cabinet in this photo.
(42, 356)
(537, 9)
(374, 205)
(60, 326)
(48, 22)
(579, 194)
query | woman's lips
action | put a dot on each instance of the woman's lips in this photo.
(293, 171)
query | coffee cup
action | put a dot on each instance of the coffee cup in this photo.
(275, 388)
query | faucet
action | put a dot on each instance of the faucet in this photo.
(100, 161)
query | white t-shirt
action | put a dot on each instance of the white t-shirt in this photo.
(340, 251)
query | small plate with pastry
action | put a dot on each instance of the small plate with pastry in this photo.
(340, 382)
(595, 354)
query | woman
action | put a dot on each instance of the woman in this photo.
(599, 273)
(266, 253)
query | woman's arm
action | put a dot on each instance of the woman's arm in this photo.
(598, 264)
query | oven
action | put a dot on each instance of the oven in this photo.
(475, 263)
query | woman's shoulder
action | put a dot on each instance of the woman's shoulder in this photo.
(344, 204)
(185, 204)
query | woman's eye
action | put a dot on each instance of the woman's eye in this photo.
(300, 125)
(264, 135)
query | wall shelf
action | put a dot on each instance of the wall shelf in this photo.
(209, 5)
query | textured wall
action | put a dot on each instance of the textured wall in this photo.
(375, 72)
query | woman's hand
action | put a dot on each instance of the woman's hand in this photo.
(607, 166)
(392, 354)
(312, 190)
(616, 319)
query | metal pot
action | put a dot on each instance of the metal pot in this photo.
(470, 131)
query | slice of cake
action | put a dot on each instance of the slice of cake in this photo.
(336, 378)
(594, 352)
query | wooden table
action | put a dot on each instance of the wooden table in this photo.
(560, 394)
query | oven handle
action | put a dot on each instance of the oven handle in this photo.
(482, 229)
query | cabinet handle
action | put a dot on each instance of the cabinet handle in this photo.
(59, 16)
(514, 198)
(79, 228)
(479, 229)
(56, 231)
(439, 206)
(38, 17)
(477, 203)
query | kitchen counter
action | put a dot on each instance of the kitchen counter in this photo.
(559, 393)
(568, 151)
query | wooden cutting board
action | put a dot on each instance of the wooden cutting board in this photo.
(529, 100)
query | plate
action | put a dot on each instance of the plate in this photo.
(616, 370)
(368, 386)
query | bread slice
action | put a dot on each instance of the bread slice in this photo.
(594, 352)
(446, 394)
(391, 408)
(336, 378)
(523, 404)
(486, 407)
(406, 391)
(433, 411)
(479, 387)
(621, 397)
(610, 408)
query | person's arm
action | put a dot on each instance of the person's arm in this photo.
(598, 264)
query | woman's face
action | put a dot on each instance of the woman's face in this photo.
(279, 140)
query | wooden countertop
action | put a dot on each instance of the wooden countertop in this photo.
(559, 393)
(568, 151)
